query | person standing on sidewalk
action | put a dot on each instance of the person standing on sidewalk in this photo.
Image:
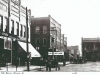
(48, 64)
(57, 65)
(64, 62)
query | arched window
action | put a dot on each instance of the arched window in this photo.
(44, 42)
(37, 42)
(44, 29)
(37, 29)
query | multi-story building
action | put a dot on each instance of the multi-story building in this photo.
(43, 31)
(73, 50)
(63, 48)
(65, 44)
(91, 48)
(13, 18)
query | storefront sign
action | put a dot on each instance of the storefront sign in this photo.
(56, 53)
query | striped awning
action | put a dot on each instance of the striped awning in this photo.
(32, 50)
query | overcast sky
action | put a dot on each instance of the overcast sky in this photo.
(78, 18)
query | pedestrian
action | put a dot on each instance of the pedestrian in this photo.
(3, 61)
(64, 61)
(48, 64)
(57, 65)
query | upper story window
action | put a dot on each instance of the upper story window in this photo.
(17, 28)
(44, 42)
(24, 31)
(6, 25)
(44, 29)
(21, 32)
(1, 23)
(37, 30)
(12, 29)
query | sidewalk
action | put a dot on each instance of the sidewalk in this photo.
(21, 68)
(33, 68)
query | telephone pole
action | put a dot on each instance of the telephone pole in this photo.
(27, 39)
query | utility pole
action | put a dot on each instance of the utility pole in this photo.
(8, 16)
(16, 47)
(8, 20)
(27, 39)
(52, 40)
(63, 51)
(93, 51)
(63, 44)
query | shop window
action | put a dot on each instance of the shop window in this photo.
(17, 28)
(7, 44)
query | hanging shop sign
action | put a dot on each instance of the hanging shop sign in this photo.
(55, 53)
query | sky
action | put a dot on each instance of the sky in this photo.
(78, 18)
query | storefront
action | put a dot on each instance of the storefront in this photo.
(11, 48)
(5, 48)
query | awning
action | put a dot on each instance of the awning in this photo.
(34, 52)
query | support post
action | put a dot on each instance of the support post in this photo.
(27, 39)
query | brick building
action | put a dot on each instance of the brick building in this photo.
(43, 29)
(13, 31)
(91, 48)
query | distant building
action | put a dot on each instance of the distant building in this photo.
(73, 51)
(91, 48)
(45, 35)
(65, 45)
